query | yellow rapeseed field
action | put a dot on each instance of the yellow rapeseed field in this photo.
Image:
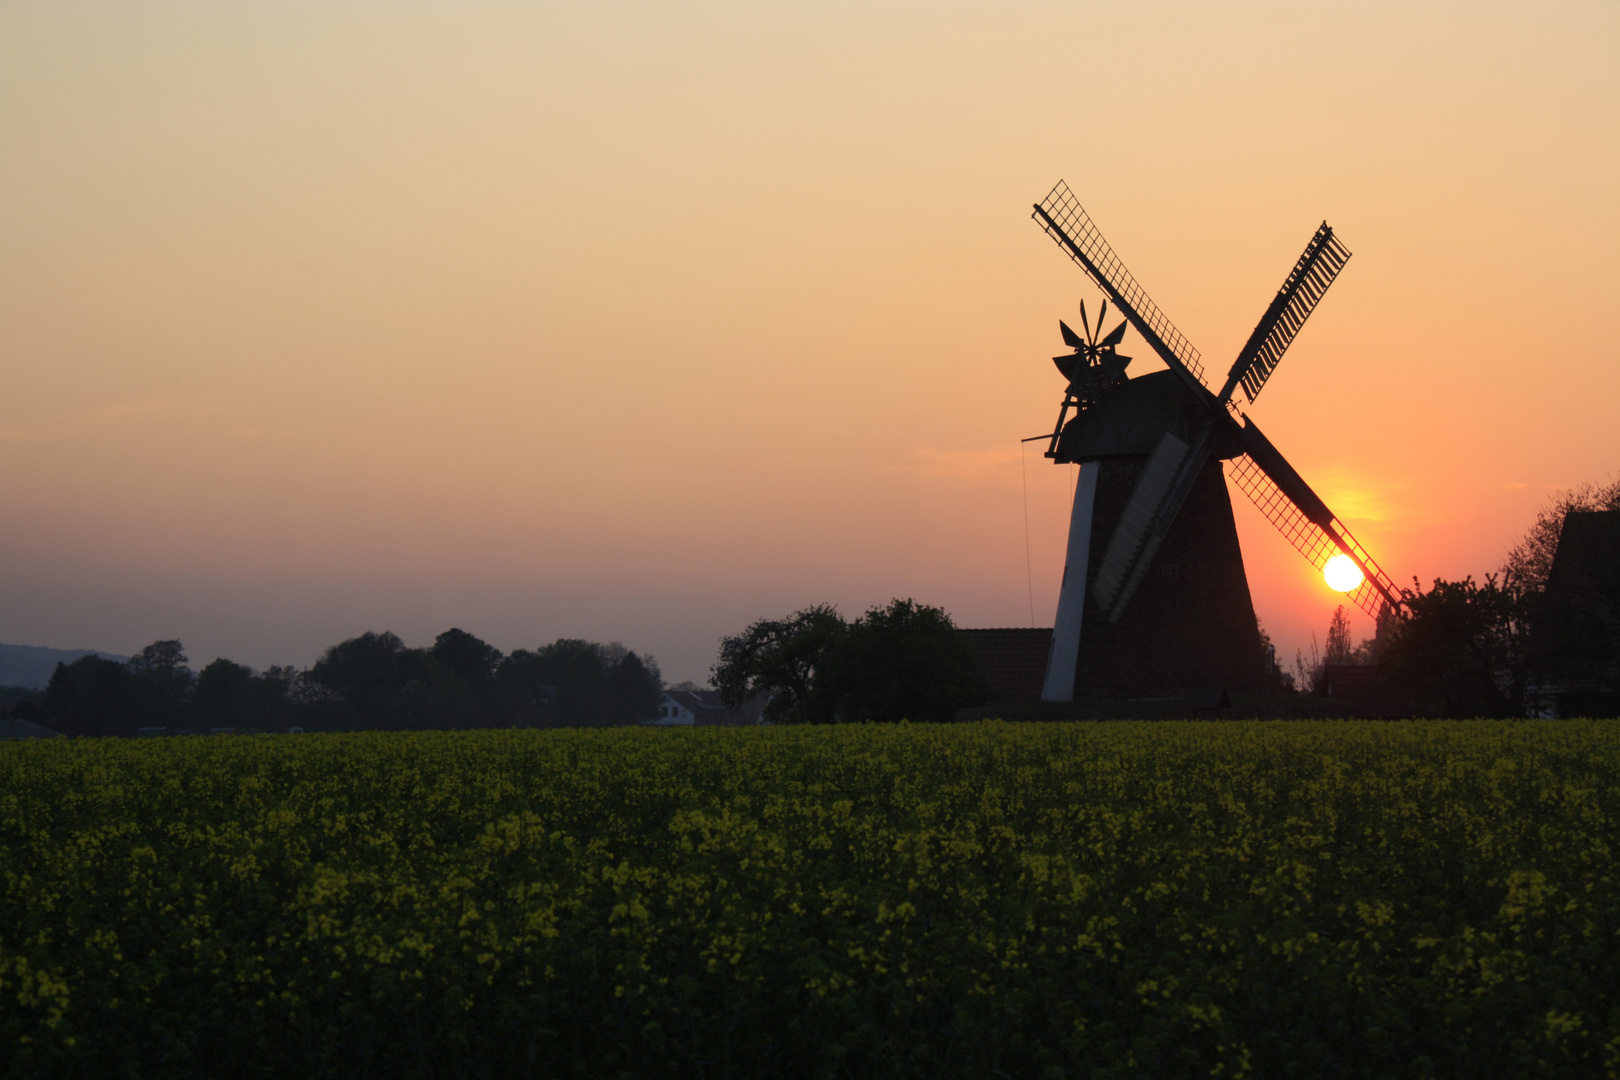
(1055, 900)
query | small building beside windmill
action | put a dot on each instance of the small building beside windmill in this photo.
(24, 729)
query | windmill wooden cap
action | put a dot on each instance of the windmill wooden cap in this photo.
(1128, 421)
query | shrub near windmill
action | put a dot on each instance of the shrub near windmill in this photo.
(1154, 596)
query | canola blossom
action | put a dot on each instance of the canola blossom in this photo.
(1041, 900)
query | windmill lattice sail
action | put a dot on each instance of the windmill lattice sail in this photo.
(1376, 595)
(1066, 222)
(1321, 262)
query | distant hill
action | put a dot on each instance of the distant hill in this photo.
(31, 665)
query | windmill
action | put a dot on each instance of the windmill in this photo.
(1154, 575)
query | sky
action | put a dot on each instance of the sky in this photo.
(640, 322)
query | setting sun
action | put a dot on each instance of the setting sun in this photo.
(1342, 573)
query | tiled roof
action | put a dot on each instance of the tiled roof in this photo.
(1013, 659)
(696, 701)
(23, 729)
(1359, 686)
(1588, 552)
(707, 708)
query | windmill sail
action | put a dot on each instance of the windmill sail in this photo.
(1324, 257)
(1282, 495)
(1067, 223)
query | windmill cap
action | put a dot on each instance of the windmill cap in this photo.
(1129, 419)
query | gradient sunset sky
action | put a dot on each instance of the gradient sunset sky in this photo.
(640, 322)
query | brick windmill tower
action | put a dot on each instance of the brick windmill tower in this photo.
(1154, 596)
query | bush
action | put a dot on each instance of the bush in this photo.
(902, 661)
(906, 662)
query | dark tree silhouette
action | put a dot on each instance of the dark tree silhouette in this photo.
(906, 661)
(900, 661)
(92, 696)
(471, 659)
(521, 695)
(635, 686)
(224, 695)
(577, 683)
(163, 684)
(576, 669)
(787, 659)
(367, 673)
(1460, 651)
(435, 697)
(1339, 650)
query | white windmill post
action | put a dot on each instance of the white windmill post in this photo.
(1065, 654)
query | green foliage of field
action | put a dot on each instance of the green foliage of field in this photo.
(1120, 900)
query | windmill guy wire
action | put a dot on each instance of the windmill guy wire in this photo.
(1029, 577)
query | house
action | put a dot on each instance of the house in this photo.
(1359, 686)
(1578, 668)
(703, 707)
(24, 729)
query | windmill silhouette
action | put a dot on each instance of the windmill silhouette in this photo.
(1154, 595)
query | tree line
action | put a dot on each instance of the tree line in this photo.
(1461, 648)
(899, 661)
(373, 681)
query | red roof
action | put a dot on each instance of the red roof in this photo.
(1014, 660)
